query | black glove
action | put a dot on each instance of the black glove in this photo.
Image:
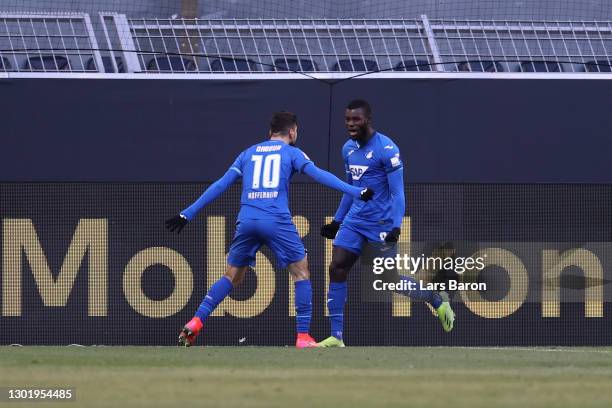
(366, 194)
(176, 223)
(393, 235)
(329, 230)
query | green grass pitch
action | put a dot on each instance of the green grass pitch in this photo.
(285, 377)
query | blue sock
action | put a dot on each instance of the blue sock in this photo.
(217, 292)
(336, 297)
(429, 296)
(303, 305)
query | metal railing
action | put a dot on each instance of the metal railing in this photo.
(280, 46)
(373, 45)
(48, 42)
(67, 42)
(554, 46)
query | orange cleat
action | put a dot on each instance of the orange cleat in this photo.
(304, 340)
(189, 332)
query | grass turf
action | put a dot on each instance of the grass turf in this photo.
(285, 377)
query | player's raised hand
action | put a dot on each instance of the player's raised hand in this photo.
(393, 235)
(176, 223)
(366, 194)
(330, 230)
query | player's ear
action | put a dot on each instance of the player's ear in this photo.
(294, 137)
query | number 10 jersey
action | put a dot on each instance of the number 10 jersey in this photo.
(266, 169)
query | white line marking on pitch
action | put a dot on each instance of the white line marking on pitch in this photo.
(537, 349)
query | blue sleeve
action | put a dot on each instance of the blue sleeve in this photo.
(343, 208)
(347, 200)
(390, 156)
(329, 180)
(396, 187)
(299, 159)
(237, 164)
(215, 190)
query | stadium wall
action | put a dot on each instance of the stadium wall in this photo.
(449, 130)
(91, 169)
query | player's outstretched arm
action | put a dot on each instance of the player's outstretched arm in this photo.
(329, 180)
(396, 187)
(217, 188)
(330, 230)
(303, 164)
(343, 208)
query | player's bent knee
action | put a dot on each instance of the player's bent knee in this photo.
(299, 270)
(337, 273)
(301, 275)
(238, 279)
(236, 274)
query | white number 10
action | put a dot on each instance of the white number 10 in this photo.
(271, 170)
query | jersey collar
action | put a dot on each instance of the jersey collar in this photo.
(368, 142)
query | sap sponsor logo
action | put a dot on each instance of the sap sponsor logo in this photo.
(395, 161)
(357, 171)
(369, 155)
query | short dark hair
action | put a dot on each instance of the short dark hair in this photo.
(281, 122)
(360, 104)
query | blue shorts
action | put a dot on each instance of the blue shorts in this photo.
(280, 236)
(352, 237)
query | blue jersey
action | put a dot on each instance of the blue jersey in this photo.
(266, 169)
(368, 166)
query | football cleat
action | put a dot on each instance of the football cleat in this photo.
(190, 331)
(446, 315)
(304, 340)
(331, 341)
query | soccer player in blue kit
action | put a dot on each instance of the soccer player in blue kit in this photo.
(264, 219)
(371, 159)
